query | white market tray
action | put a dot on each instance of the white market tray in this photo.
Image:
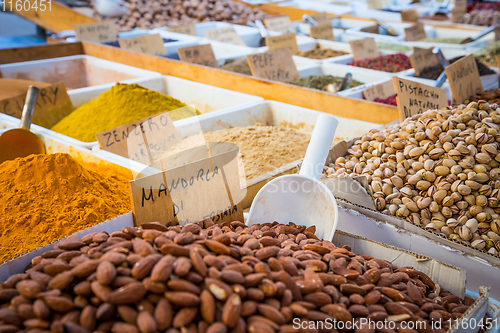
(76, 72)
(398, 27)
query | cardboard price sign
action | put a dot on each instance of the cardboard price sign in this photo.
(382, 90)
(375, 4)
(497, 34)
(409, 15)
(205, 187)
(184, 29)
(281, 24)
(416, 98)
(199, 54)
(52, 105)
(149, 44)
(288, 41)
(276, 65)
(364, 48)
(320, 17)
(324, 30)
(225, 34)
(423, 58)
(415, 32)
(155, 134)
(464, 79)
(99, 32)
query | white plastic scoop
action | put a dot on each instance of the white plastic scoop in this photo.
(302, 198)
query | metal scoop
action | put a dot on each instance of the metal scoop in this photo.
(302, 198)
(20, 142)
(444, 63)
(309, 19)
(481, 34)
(390, 30)
(262, 30)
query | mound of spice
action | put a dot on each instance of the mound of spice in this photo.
(391, 63)
(320, 53)
(115, 43)
(46, 197)
(488, 54)
(219, 278)
(481, 17)
(122, 104)
(442, 40)
(238, 66)
(320, 82)
(391, 100)
(433, 72)
(393, 47)
(262, 148)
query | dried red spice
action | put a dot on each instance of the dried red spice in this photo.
(391, 100)
(391, 63)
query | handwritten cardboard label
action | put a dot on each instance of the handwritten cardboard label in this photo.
(375, 4)
(206, 187)
(416, 98)
(324, 30)
(288, 41)
(459, 10)
(99, 32)
(364, 48)
(52, 105)
(158, 129)
(382, 90)
(497, 33)
(320, 17)
(276, 65)
(149, 44)
(225, 34)
(415, 32)
(184, 29)
(281, 24)
(199, 54)
(423, 58)
(372, 29)
(464, 79)
(409, 15)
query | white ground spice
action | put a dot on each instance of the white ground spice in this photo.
(262, 148)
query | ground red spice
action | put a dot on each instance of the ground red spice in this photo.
(391, 100)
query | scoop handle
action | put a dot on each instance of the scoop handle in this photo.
(29, 106)
(485, 32)
(262, 29)
(309, 19)
(317, 151)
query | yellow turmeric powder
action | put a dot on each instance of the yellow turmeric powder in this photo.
(46, 197)
(122, 104)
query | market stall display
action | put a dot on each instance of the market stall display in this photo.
(433, 72)
(391, 63)
(217, 277)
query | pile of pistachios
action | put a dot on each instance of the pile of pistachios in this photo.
(439, 170)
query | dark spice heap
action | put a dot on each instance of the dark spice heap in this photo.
(115, 43)
(219, 278)
(319, 53)
(433, 72)
(391, 100)
(481, 17)
(238, 66)
(320, 82)
(391, 63)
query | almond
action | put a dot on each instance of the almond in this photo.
(128, 294)
(184, 317)
(345, 272)
(373, 297)
(59, 304)
(217, 247)
(271, 313)
(163, 269)
(88, 318)
(182, 298)
(291, 285)
(217, 328)
(318, 298)
(267, 252)
(338, 312)
(40, 309)
(127, 314)
(29, 288)
(61, 280)
(393, 294)
(219, 289)
(163, 314)
(145, 322)
(114, 257)
(142, 247)
(231, 310)
(198, 263)
(414, 293)
(349, 289)
(183, 285)
(105, 273)
(85, 268)
(120, 327)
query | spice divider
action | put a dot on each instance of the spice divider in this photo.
(203, 97)
(357, 92)
(313, 5)
(78, 71)
(361, 10)
(458, 34)
(337, 23)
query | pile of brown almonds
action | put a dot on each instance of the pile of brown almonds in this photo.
(439, 170)
(147, 14)
(213, 278)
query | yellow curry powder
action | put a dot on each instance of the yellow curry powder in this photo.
(46, 197)
(122, 104)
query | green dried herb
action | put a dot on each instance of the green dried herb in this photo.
(239, 66)
(321, 81)
(443, 40)
(393, 47)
